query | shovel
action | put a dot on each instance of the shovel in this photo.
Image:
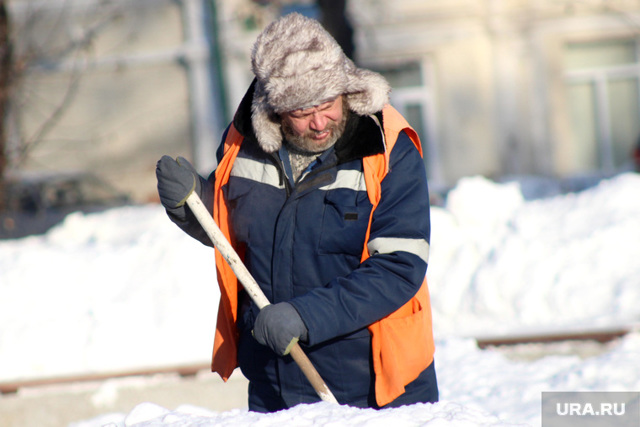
(253, 289)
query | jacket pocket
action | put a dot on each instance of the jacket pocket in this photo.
(407, 344)
(402, 346)
(345, 220)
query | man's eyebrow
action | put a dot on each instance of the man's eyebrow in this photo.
(300, 113)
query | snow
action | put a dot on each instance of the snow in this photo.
(503, 265)
(126, 289)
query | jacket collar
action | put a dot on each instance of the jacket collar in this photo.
(362, 136)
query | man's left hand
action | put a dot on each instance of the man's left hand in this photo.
(279, 326)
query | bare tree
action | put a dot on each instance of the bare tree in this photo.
(36, 53)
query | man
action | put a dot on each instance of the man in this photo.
(322, 190)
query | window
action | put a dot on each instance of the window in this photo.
(412, 96)
(602, 80)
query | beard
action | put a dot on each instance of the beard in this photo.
(305, 142)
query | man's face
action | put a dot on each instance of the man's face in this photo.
(315, 129)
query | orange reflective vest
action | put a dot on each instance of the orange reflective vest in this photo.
(402, 342)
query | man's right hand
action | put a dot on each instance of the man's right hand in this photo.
(279, 326)
(177, 179)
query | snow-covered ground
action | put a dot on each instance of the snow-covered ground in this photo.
(125, 289)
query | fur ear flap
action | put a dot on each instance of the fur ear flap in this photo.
(367, 92)
(266, 124)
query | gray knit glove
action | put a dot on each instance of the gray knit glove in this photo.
(177, 179)
(280, 327)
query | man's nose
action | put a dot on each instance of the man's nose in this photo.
(318, 122)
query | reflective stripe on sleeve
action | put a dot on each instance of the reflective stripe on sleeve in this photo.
(387, 245)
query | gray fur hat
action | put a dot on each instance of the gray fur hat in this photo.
(297, 65)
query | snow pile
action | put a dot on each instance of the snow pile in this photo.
(319, 414)
(503, 265)
(120, 290)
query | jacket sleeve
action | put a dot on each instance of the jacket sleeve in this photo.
(399, 248)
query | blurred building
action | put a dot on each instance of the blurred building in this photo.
(110, 86)
(495, 87)
(502, 87)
